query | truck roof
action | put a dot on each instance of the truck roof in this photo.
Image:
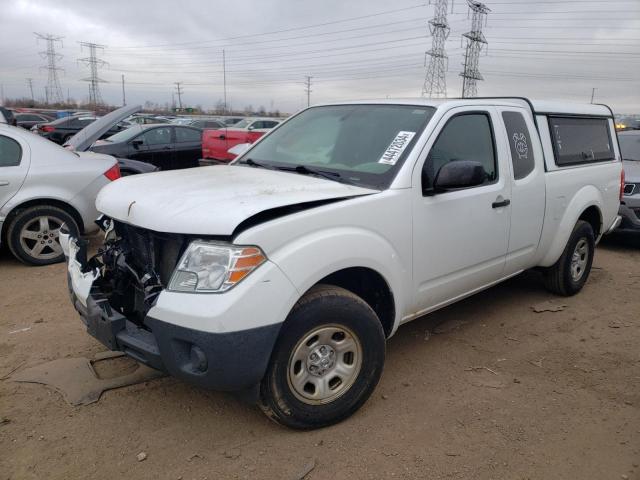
(538, 106)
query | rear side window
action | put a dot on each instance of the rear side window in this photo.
(580, 140)
(519, 143)
(10, 152)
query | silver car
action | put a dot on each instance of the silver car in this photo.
(42, 186)
(630, 205)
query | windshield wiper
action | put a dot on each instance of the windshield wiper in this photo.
(253, 163)
(303, 169)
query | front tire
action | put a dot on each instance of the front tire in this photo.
(34, 234)
(569, 274)
(326, 362)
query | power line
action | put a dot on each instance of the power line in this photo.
(53, 90)
(475, 42)
(306, 27)
(93, 62)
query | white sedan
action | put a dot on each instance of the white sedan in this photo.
(43, 186)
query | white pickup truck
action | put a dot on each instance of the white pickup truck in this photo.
(284, 273)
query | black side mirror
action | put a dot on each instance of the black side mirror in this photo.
(459, 174)
(137, 143)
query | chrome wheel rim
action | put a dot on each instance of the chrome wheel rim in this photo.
(579, 259)
(40, 238)
(324, 364)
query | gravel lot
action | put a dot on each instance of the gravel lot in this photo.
(486, 388)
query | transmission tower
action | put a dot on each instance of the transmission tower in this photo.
(53, 90)
(30, 85)
(93, 62)
(475, 43)
(179, 92)
(307, 89)
(435, 80)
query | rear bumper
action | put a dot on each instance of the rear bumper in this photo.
(221, 361)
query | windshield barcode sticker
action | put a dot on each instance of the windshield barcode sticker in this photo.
(396, 147)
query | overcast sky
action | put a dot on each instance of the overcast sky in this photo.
(352, 49)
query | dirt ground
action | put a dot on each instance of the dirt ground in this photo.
(485, 389)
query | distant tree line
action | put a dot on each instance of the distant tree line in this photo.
(148, 107)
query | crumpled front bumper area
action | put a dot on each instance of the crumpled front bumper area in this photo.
(229, 361)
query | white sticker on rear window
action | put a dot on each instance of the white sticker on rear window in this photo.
(396, 147)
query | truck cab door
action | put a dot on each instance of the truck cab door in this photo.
(528, 191)
(14, 164)
(460, 236)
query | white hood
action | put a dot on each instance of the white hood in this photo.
(211, 200)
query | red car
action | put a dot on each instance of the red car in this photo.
(216, 143)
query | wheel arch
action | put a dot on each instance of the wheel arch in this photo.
(43, 202)
(587, 205)
(369, 285)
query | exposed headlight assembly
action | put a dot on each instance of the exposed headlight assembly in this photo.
(211, 267)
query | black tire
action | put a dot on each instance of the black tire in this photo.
(558, 278)
(323, 307)
(23, 248)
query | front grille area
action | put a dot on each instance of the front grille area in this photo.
(149, 251)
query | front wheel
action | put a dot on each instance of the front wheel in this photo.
(569, 274)
(326, 362)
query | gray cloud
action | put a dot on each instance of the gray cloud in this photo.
(542, 49)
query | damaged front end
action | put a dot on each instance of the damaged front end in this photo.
(134, 265)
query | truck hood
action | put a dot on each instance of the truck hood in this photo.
(212, 200)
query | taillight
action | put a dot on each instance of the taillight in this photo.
(47, 128)
(621, 184)
(113, 173)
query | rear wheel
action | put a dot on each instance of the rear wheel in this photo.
(326, 362)
(569, 274)
(33, 235)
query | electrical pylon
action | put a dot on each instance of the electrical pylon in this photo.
(53, 90)
(93, 62)
(435, 80)
(475, 43)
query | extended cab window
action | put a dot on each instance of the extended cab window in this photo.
(10, 152)
(580, 140)
(465, 137)
(519, 143)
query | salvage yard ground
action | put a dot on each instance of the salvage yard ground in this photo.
(487, 388)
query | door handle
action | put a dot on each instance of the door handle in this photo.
(503, 203)
(222, 137)
(3, 183)
(166, 148)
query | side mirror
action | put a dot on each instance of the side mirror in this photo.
(137, 143)
(251, 127)
(459, 174)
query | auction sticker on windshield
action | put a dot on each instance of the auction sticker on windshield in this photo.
(396, 147)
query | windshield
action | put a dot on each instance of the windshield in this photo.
(125, 135)
(630, 146)
(359, 144)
